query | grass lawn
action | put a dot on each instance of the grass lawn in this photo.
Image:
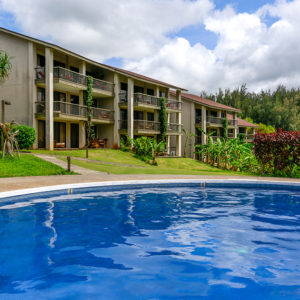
(28, 165)
(179, 166)
(107, 155)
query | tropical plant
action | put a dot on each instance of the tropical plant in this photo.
(5, 65)
(89, 112)
(9, 143)
(188, 135)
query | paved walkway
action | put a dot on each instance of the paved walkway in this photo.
(16, 183)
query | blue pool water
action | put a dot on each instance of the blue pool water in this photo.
(158, 243)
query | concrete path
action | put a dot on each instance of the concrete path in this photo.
(63, 164)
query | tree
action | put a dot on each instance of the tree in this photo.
(89, 111)
(5, 65)
(188, 135)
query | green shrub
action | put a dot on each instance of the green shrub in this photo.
(26, 136)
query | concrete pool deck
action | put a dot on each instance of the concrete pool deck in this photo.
(20, 183)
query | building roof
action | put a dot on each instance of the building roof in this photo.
(242, 123)
(206, 102)
(118, 70)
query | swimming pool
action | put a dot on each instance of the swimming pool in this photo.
(159, 241)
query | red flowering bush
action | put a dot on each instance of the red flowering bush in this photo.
(278, 152)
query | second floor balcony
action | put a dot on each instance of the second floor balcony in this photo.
(174, 128)
(62, 75)
(66, 109)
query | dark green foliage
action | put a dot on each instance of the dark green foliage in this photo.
(280, 109)
(25, 137)
(89, 103)
(5, 65)
(163, 119)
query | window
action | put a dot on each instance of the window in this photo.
(138, 115)
(59, 64)
(223, 114)
(213, 113)
(162, 94)
(74, 99)
(58, 96)
(138, 89)
(123, 114)
(150, 92)
(242, 130)
(150, 116)
(74, 69)
(40, 60)
(41, 97)
(124, 86)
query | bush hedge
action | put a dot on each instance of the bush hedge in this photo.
(26, 136)
(279, 152)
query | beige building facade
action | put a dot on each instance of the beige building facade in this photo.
(46, 88)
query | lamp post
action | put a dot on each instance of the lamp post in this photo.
(3, 103)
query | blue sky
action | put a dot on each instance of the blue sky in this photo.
(196, 44)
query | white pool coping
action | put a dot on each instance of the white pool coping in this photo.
(144, 182)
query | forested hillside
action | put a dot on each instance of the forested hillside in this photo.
(280, 108)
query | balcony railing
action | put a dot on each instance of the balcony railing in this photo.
(173, 104)
(76, 110)
(232, 122)
(146, 99)
(174, 127)
(74, 77)
(146, 125)
(214, 120)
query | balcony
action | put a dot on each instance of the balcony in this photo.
(173, 105)
(123, 124)
(148, 126)
(174, 128)
(232, 122)
(214, 121)
(146, 100)
(77, 111)
(198, 121)
(74, 78)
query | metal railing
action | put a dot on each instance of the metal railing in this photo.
(76, 110)
(123, 97)
(173, 104)
(232, 122)
(172, 127)
(146, 125)
(172, 151)
(249, 137)
(69, 108)
(74, 77)
(146, 99)
(214, 120)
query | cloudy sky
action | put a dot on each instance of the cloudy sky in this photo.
(199, 44)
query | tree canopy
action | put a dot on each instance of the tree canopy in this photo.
(280, 108)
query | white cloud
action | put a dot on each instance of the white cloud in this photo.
(104, 29)
(247, 51)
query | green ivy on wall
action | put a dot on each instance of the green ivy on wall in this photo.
(163, 119)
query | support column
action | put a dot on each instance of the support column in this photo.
(168, 144)
(49, 98)
(203, 124)
(82, 68)
(68, 135)
(235, 130)
(130, 107)
(81, 134)
(157, 92)
(117, 90)
(178, 137)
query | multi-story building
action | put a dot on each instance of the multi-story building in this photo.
(46, 88)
